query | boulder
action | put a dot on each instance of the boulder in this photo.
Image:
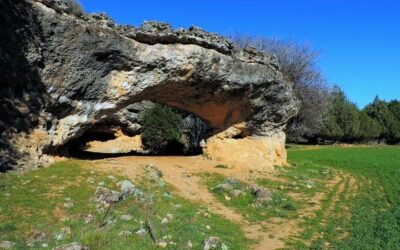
(63, 74)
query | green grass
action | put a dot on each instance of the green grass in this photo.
(28, 203)
(374, 212)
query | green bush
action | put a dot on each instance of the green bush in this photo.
(160, 129)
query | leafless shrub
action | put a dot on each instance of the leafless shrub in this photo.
(298, 65)
(75, 7)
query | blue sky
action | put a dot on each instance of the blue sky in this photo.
(359, 40)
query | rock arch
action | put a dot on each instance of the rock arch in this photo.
(92, 68)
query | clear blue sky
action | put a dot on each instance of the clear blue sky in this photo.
(359, 40)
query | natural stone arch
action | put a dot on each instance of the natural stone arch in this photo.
(92, 68)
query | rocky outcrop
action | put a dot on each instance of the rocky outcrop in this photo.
(62, 74)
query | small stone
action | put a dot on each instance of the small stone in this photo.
(162, 244)
(227, 198)
(309, 186)
(208, 227)
(68, 204)
(177, 206)
(72, 246)
(167, 237)
(125, 234)
(90, 180)
(112, 177)
(224, 246)
(7, 194)
(237, 193)
(126, 217)
(190, 244)
(101, 183)
(127, 188)
(211, 243)
(170, 216)
(141, 232)
(7, 244)
(262, 195)
(35, 236)
(45, 245)
(224, 187)
(58, 236)
(87, 218)
(65, 230)
(164, 221)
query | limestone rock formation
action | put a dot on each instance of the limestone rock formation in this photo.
(63, 74)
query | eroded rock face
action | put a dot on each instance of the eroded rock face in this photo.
(62, 74)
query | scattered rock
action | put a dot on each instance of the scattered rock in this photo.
(211, 243)
(113, 178)
(224, 246)
(167, 237)
(141, 232)
(162, 244)
(309, 185)
(65, 230)
(154, 174)
(125, 234)
(87, 218)
(72, 246)
(167, 218)
(127, 188)
(35, 236)
(126, 217)
(177, 206)
(226, 197)
(261, 194)
(7, 244)
(105, 197)
(68, 204)
(190, 244)
(236, 193)
(90, 180)
(208, 227)
(224, 187)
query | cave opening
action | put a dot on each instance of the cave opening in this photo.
(143, 128)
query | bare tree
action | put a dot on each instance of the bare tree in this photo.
(298, 65)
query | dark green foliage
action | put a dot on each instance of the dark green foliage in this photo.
(387, 116)
(344, 122)
(160, 129)
(369, 128)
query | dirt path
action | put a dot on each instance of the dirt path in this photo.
(182, 173)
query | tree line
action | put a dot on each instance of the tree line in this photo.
(326, 114)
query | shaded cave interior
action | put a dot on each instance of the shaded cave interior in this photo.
(120, 135)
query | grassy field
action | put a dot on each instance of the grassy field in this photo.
(374, 207)
(47, 207)
(335, 198)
